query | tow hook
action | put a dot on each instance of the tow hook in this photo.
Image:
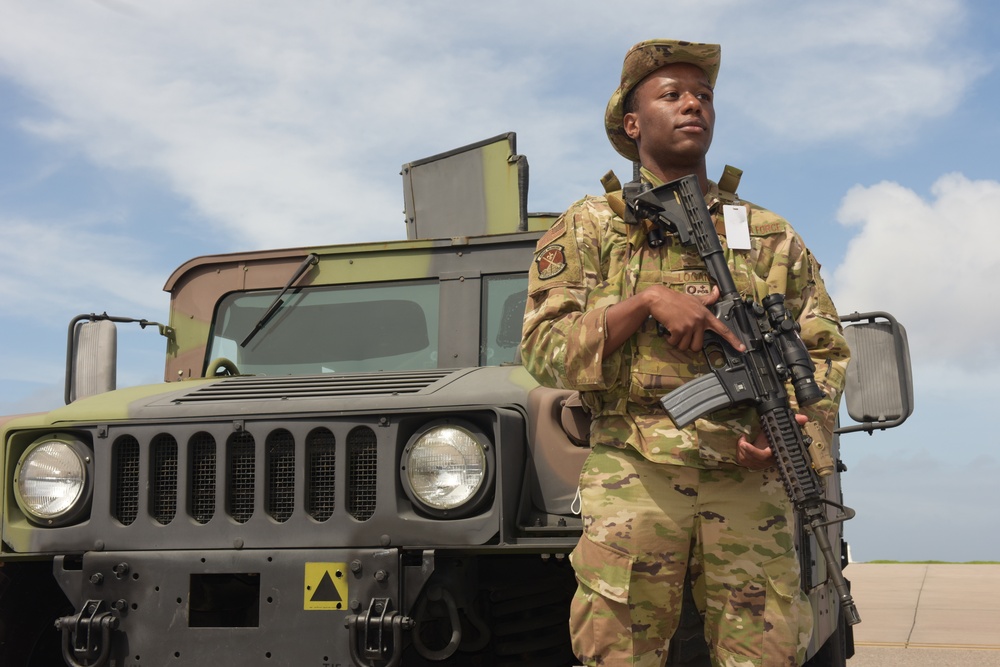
(371, 630)
(86, 637)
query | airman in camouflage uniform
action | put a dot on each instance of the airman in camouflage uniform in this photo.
(657, 500)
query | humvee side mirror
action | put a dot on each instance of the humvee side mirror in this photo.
(91, 358)
(92, 353)
(879, 387)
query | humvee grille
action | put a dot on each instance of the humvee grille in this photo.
(302, 479)
(283, 470)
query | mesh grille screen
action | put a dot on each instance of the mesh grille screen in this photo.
(241, 476)
(362, 455)
(125, 491)
(202, 448)
(163, 478)
(321, 460)
(280, 500)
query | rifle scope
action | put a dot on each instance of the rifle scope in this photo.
(798, 366)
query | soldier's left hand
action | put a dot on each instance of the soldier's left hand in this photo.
(757, 455)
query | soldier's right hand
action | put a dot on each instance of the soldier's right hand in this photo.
(687, 317)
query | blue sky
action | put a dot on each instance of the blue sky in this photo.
(135, 135)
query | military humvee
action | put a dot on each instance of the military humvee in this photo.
(345, 465)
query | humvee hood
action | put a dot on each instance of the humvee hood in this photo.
(242, 396)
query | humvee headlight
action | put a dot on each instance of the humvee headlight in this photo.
(446, 468)
(52, 481)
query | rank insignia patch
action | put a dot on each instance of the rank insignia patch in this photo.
(551, 261)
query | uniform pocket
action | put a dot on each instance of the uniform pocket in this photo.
(604, 570)
(782, 580)
(600, 620)
(787, 613)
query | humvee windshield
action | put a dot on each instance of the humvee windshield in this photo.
(362, 328)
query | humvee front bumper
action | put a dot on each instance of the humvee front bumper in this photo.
(274, 607)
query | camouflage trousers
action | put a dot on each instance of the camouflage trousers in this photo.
(646, 524)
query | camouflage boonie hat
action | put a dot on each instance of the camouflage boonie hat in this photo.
(643, 59)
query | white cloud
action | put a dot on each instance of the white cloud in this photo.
(51, 271)
(852, 70)
(287, 125)
(50, 268)
(928, 261)
(274, 124)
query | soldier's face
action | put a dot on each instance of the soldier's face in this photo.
(674, 115)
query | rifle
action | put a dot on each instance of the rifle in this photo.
(774, 354)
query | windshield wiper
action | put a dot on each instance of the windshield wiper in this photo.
(313, 258)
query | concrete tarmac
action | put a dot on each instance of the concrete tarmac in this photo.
(912, 615)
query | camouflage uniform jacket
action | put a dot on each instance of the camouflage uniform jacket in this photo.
(590, 260)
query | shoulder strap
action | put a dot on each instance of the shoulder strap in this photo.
(613, 193)
(729, 183)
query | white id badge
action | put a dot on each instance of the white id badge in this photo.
(737, 227)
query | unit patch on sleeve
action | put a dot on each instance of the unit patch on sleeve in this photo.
(556, 262)
(551, 261)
